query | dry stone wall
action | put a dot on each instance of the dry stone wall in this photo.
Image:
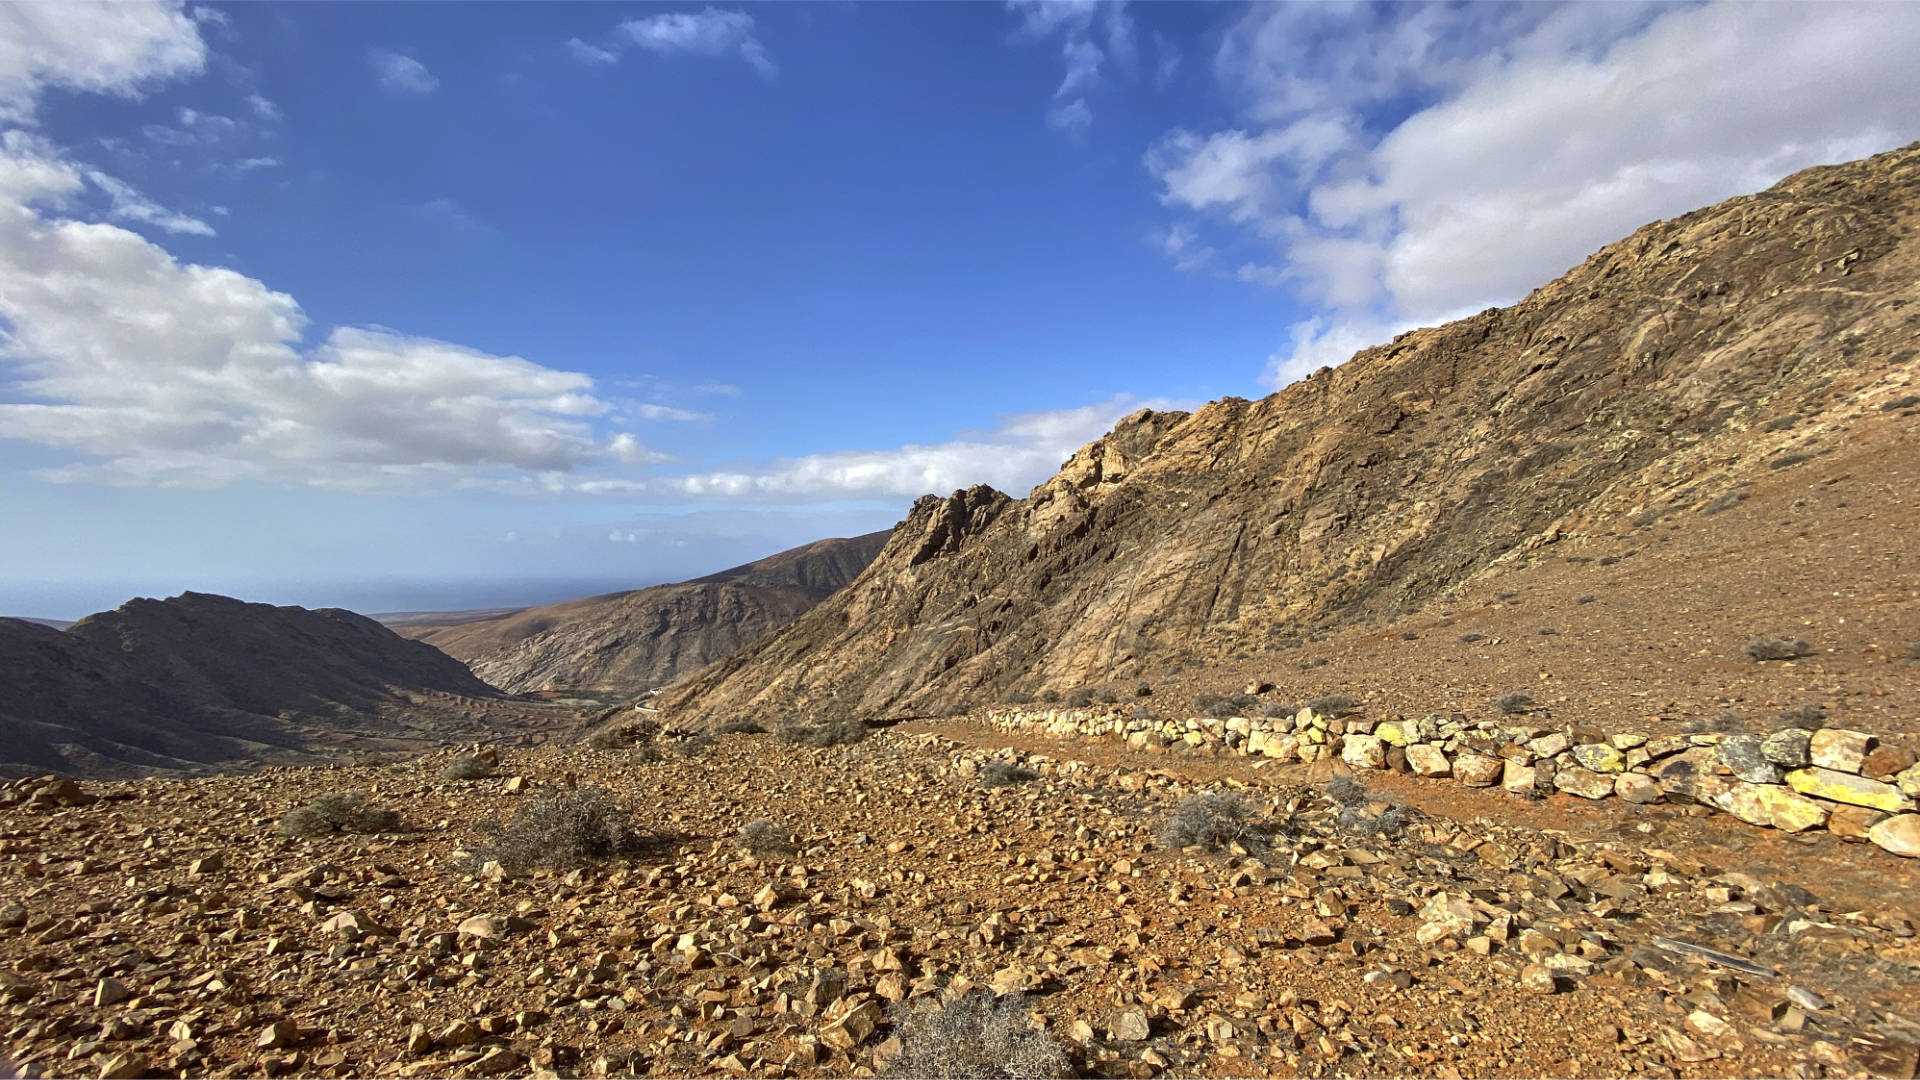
(1793, 779)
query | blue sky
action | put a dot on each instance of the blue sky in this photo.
(425, 305)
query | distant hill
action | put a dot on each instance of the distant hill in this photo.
(1674, 368)
(57, 624)
(202, 680)
(629, 641)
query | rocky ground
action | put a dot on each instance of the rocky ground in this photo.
(163, 927)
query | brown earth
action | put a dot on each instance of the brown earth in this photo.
(1762, 348)
(629, 642)
(200, 682)
(346, 955)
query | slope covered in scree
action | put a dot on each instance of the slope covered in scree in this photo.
(629, 641)
(1691, 346)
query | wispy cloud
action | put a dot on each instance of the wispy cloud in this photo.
(401, 73)
(128, 204)
(1388, 220)
(711, 32)
(120, 49)
(1093, 34)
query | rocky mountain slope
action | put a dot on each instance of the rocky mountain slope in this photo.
(1669, 369)
(206, 680)
(632, 641)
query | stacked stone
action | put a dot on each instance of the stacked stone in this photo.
(1793, 779)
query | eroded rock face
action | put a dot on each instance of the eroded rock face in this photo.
(632, 641)
(1374, 486)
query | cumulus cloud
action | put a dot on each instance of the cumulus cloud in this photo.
(119, 49)
(155, 372)
(711, 32)
(1093, 35)
(1538, 134)
(1021, 451)
(401, 73)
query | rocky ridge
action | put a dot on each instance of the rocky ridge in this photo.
(200, 681)
(1674, 367)
(632, 641)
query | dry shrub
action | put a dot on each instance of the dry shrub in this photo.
(998, 774)
(763, 837)
(466, 767)
(560, 829)
(844, 731)
(1760, 649)
(1212, 820)
(339, 812)
(976, 1035)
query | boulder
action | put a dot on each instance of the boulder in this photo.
(1852, 822)
(1743, 755)
(1600, 758)
(1899, 834)
(1789, 749)
(1477, 770)
(1848, 788)
(1364, 752)
(1584, 782)
(1427, 759)
(1517, 778)
(1743, 801)
(1637, 788)
(1839, 749)
(1790, 812)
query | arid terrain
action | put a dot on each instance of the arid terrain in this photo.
(631, 641)
(1532, 695)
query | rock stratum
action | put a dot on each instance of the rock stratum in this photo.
(630, 641)
(201, 680)
(1670, 367)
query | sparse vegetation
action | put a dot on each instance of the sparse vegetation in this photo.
(645, 754)
(1080, 698)
(1275, 709)
(1471, 638)
(997, 774)
(1212, 820)
(1761, 649)
(559, 829)
(693, 745)
(1145, 712)
(1109, 696)
(1517, 701)
(740, 726)
(1333, 705)
(762, 837)
(1906, 401)
(1787, 460)
(976, 1035)
(1351, 798)
(339, 812)
(1585, 598)
(1049, 697)
(466, 767)
(843, 731)
(625, 733)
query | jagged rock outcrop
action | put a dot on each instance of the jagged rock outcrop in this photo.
(1721, 342)
(632, 641)
(202, 680)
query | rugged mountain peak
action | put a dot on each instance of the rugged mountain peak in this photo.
(1671, 360)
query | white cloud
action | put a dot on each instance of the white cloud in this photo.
(402, 73)
(127, 204)
(264, 109)
(1092, 34)
(118, 49)
(1547, 132)
(155, 372)
(1023, 450)
(710, 33)
(650, 411)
